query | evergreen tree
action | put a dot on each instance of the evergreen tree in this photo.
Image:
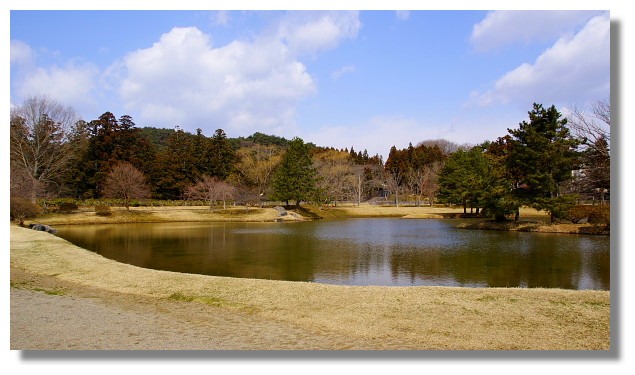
(462, 178)
(295, 176)
(221, 155)
(542, 153)
(110, 142)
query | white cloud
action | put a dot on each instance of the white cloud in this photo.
(501, 28)
(574, 69)
(72, 84)
(221, 18)
(314, 31)
(403, 14)
(242, 87)
(21, 53)
(183, 80)
(343, 70)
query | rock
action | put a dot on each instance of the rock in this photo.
(281, 211)
(43, 228)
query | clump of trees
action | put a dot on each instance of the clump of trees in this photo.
(529, 167)
(56, 154)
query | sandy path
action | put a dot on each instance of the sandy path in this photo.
(88, 319)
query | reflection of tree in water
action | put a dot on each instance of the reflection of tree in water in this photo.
(349, 252)
(534, 261)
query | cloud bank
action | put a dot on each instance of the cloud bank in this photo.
(576, 67)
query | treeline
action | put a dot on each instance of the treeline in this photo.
(55, 154)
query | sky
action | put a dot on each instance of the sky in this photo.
(362, 79)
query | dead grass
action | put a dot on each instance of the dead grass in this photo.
(164, 214)
(424, 317)
(530, 226)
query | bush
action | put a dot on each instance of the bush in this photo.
(600, 215)
(67, 207)
(577, 213)
(102, 210)
(21, 209)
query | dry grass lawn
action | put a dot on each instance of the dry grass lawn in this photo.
(422, 317)
(87, 215)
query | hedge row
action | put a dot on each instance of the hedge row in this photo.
(599, 215)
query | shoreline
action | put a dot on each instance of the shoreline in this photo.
(532, 220)
(403, 317)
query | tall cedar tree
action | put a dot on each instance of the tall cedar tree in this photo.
(295, 176)
(175, 168)
(111, 142)
(542, 154)
(222, 155)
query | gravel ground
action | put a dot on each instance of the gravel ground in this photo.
(48, 315)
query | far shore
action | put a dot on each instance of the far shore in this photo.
(531, 219)
(383, 317)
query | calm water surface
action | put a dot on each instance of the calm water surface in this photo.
(389, 252)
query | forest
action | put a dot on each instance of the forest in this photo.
(548, 161)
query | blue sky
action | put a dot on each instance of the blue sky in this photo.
(368, 79)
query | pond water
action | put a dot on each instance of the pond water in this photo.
(388, 252)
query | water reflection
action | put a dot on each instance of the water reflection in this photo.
(358, 252)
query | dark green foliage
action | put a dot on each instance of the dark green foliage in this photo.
(112, 141)
(478, 179)
(540, 156)
(186, 158)
(264, 139)
(21, 209)
(221, 155)
(295, 177)
(157, 136)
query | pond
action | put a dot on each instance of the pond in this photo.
(386, 252)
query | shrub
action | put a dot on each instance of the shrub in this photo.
(600, 215)
(67, 207)
(577, 213)
(102, 210)
(21, 209)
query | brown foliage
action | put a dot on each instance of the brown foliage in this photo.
(126, 182)
(21, 209)
(211, 189)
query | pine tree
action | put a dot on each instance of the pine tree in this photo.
(295, 176)
(542, 153)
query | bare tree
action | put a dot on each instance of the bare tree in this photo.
(593, 127)
(394, 184)
(39, 148)
(126, 182)
(591, 124)
(257, 164)
(211, 189)
(430, 181)
(337, 177)
(447, 147)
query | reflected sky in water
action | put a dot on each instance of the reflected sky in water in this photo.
(388, 252)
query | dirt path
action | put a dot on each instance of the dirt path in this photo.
(47, 314)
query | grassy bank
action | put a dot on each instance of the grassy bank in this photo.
(422, 317)
(529, 226)
(87, 215)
